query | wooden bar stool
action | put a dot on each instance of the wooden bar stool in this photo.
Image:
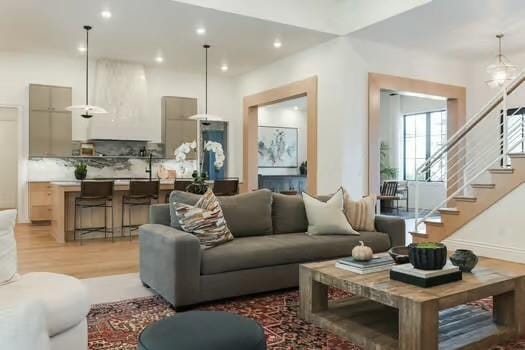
(94, 194)
(141, 193)
(179, 185)
(226, 187)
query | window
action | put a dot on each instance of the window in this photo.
(516, 131)
(423, 135)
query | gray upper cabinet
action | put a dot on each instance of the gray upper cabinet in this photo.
(177, 128)
(50, 125)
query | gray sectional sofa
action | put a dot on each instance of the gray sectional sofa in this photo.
(270, 243)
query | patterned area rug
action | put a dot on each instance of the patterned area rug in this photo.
(116, 326)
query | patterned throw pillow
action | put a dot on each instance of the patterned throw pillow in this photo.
(205, 220)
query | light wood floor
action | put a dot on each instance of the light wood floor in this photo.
(38, 251)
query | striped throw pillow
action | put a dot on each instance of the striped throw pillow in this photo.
(205, 220)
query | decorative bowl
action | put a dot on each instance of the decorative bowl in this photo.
(465, 259)
(427, 255)
(399, 254)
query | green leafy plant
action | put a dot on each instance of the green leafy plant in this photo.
(429, 245)
(303, 168)
(198, 186)
(387, 172)
(80, 170)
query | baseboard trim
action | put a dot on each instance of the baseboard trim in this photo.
(488, 250)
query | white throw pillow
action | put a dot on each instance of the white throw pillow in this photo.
(7, 246)
(327, 217)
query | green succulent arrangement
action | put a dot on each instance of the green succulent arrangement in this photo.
(80, 170)
(198, 186)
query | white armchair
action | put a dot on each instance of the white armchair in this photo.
(38, 311)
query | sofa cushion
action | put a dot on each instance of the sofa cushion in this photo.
(65, 298)
(288, 214)
(247, 214)
(255, 252)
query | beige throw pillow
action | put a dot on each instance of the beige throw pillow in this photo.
(327, 217)
(361, 213)
(205, 220)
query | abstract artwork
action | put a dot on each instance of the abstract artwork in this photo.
(277, 147)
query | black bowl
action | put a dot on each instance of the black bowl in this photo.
(428, 258)
(399, 254)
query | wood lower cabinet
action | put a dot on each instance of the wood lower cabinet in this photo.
(40, 201)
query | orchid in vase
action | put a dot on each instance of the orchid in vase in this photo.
(199, 186)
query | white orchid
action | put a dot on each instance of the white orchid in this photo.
(216, 147)
(181, 151)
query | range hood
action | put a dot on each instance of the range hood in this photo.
(121, 87)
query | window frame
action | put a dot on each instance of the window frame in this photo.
(428, 142)
(511, 112)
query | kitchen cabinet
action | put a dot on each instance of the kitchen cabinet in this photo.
(177, 128)
(40, 201)
(50, 124)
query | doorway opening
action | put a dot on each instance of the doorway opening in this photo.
(280, 135)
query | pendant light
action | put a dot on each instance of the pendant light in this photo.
(502, 71)
(87, 110)
(206, 118)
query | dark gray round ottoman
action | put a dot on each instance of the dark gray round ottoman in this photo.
(203, 330)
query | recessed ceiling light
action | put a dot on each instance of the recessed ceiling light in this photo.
(82, 49)
(277, 43)
(159, 59)
(106, 14)
(295, 108)
(201, 31)
(225, 67)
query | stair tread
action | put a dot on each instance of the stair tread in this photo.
(480, 185)
(502, 170)
(434, 221)
(466, 198)
(517, 155)
(448, 210)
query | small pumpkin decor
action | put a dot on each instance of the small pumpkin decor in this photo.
(362, 252)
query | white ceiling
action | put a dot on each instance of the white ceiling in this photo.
(461, 29)
(141, 29)
(331, 16)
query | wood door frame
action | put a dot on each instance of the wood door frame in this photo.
(302, 88)
(456, 112)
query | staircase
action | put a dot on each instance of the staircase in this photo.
(485, 161)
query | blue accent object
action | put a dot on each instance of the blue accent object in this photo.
(209, 157)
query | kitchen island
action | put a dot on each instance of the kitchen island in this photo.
(63, 195)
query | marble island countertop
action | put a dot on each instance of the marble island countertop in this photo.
(117, 182)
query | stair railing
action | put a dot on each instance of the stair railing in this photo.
(482, 143)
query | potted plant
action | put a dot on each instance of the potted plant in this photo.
(199, 186)
(427, 255)
(386, 171)
(80, 170)
(303, 169)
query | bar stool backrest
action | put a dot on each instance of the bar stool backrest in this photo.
(180, 185)
(96, 189)
(144, 188)
(226, 187)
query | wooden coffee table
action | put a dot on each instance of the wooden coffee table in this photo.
(386, 314)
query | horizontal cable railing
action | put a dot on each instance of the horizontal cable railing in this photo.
(484, 142)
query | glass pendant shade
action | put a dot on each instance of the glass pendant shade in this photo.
(502, 71)
(87, 111)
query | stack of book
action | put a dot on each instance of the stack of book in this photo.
(423, 278)
(377, 264)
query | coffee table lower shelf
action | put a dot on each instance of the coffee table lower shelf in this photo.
(375, 326)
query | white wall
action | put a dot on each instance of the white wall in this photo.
(497, 232)
(285, 116)
(342, 66)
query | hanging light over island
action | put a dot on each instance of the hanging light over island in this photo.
(87, 111)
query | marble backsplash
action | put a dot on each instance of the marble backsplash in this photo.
(62, 169)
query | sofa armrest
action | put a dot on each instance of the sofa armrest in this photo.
(393, 226)
(170, 262)
(159, 214)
